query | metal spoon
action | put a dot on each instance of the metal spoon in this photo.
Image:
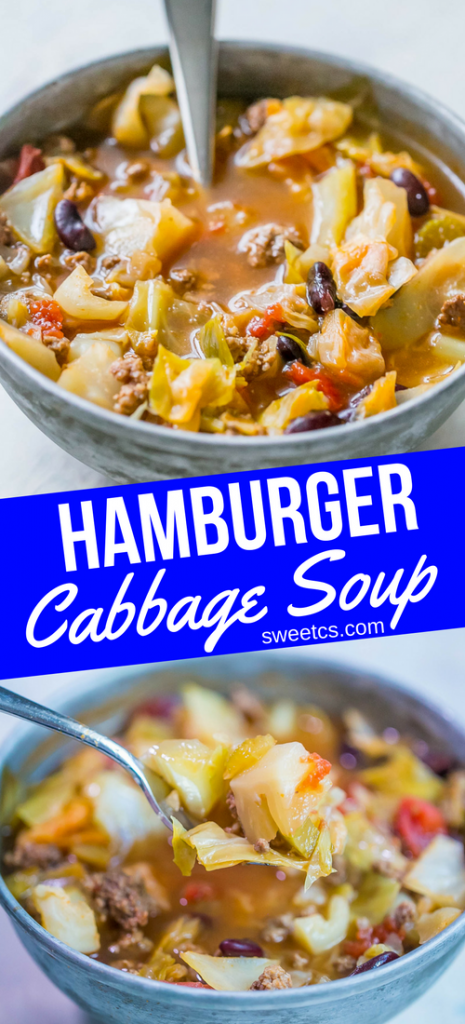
(13, 704)
(194, 61)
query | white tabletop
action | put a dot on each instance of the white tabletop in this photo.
(421, 42)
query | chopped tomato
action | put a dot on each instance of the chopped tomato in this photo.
(301, 374)
(322, 767)
(263, 326)
(417, 822)
(198, 892)
(358, 946)
(30, 161)
(47, 316)
(163, 706)
(365, 171)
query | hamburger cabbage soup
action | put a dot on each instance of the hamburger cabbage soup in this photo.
(319, 280)
(315, 850)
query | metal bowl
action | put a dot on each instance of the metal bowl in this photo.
(132, 451)
(112, 997)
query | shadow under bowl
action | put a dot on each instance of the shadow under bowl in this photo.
(112, 997)
(134, 451)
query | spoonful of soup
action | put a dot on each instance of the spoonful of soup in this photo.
(194, 61)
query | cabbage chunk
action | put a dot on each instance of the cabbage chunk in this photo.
(121, 809)
(128, 126)
(384, 216)
(228, 973)
(298, 402)
(90, 376)
(194, 770)
(429, 925)
(31, 350)
(367, 272)
(348, 349)
(66, 914)
(403, 774)
(181, 388)
(334, 204)
(279, 792)
(210, 717)
(30, 206)
(76, 299)
(381, 397)
(298, 126)
(317, 933)
(48, 799)
(142, 225)
(440, 873)
(413, 311)
(376, 896)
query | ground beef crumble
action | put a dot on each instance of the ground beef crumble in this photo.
(33, 855)
(278, 929)
(344, 964)
(264, 244)
(121, 899)
(272, 977)
(182, 280)
(403, 914)
(260, 357)
(79, 259)
(135, 382)
(254, 117)
(60, 346)
(261, 846)
(453, 313)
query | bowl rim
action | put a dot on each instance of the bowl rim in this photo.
(101, 417)
(181, 996)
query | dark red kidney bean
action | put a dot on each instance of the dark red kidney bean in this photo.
(240, 947)
(376, 961)
(313, 421)
(289, 349)
(351, 757)
(400, 387)
(417, 196)
(321, 289)
(71, 228)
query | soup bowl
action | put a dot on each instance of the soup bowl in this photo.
(134, 451)
(113, 997)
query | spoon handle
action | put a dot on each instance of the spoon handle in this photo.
(14, 704)
(194, 61)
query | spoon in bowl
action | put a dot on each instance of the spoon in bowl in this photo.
(14, 704)
(193, 53)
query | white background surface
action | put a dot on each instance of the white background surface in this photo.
(422, 42)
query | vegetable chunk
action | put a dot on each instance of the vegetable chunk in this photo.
(228, 973)
(30, 206)
(66, 914)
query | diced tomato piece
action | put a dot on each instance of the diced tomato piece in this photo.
(198, 892)
(365, 171)
(46, 314)
(263, 326)
(30, 161)
(358, 946)
(301, 374)
(322, 767)
(417, 822)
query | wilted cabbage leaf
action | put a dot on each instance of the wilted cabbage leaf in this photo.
(303, 399)
(142, 225)
(334, 204)
(300, 125)
(31, 350)
(317, 933)
(66, 914)
(77, 300)
(30, 206)
(128, 126)
(181, 388)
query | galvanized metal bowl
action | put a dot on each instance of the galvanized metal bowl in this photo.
(131, 451)
(112, 997)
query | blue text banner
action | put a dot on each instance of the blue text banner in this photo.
(295, 556)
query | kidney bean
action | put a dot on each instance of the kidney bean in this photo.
(71, 228)
(417, 196)
(313, 421)
(162, 706)
(321, 288)
(440, 763)
(376, 961)
(289, 349)
(240, 947)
